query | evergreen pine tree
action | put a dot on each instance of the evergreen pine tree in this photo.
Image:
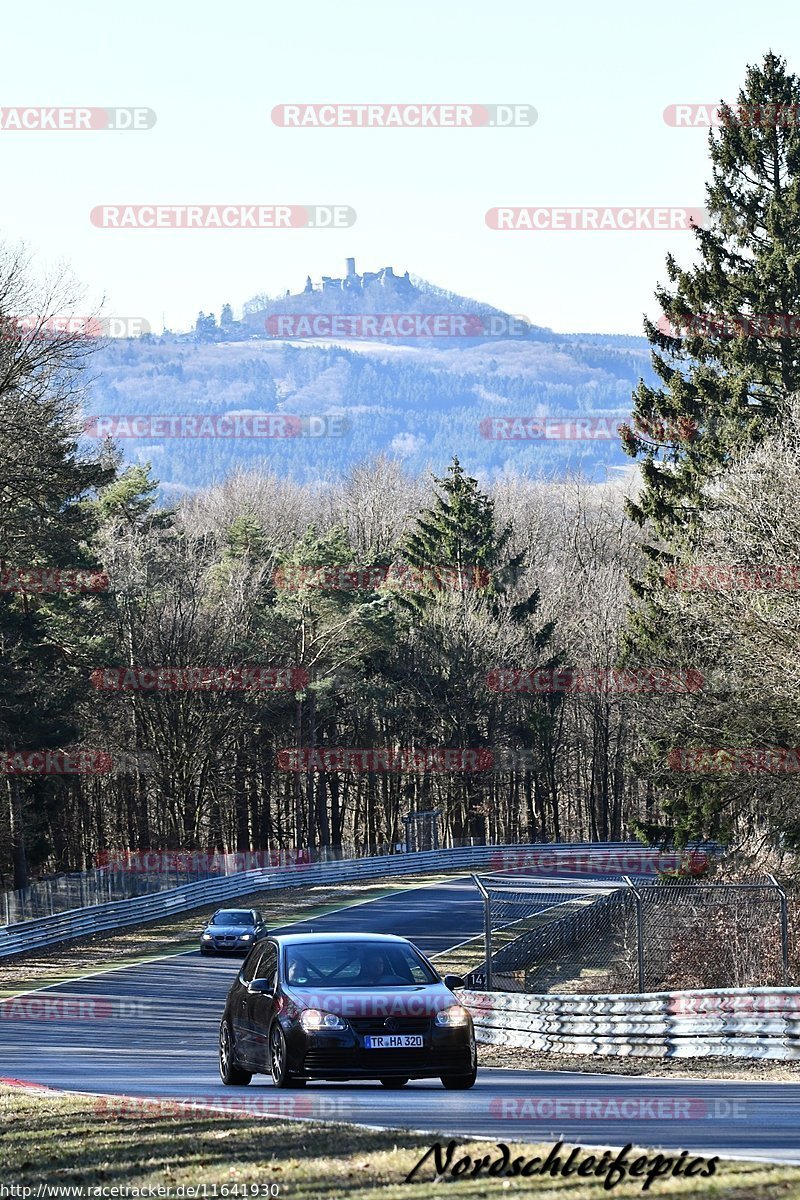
(46, 632)
(459, 532)
(725, 363)
(728, 361)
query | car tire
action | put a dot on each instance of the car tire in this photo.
(230, 1072)
(394, 1083)
(459, 1083)
(279, 1060)
(204, 951)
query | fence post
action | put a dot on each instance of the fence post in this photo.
(784, 926)
(639, 932)
(487, 930)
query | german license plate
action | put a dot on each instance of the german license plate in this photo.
(394, 1041)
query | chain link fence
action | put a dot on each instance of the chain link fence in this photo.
(698, 935)
(619, 936)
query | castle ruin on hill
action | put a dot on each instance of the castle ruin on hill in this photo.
(351, 281)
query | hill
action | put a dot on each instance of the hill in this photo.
(367, 363)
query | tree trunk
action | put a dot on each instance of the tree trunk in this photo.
(16, 827)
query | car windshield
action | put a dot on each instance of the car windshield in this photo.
(233, 918)
(359, 964)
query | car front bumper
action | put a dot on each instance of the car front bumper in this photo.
(342, 1055)
(220, 946)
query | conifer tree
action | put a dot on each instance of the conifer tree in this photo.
(727, 356)
(462, 625)
(458, 534)
(725, 351)
(46, 630)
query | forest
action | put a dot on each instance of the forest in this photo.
(264, 661)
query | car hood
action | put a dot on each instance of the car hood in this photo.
(234, 930)
(415, 1001)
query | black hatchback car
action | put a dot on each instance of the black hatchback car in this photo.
(343, 1006)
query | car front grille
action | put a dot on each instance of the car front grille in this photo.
(390, 1025)
(374, 1063)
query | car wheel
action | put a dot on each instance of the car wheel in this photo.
(394, 1083)
(229, 1072)
(458, 1083)
(279, 1060)
(204, 951)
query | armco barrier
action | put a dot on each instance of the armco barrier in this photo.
(82, 922)
(733, 1022)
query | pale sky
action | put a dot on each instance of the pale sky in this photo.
(599, 78)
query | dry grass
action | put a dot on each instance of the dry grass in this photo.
(63, 1140)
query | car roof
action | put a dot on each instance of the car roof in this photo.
(287, 939)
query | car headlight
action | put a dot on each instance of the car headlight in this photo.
(206, 937)
(312, 1019)
(245, 937)
(452, 1017)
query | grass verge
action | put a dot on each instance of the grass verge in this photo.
(51, 1139)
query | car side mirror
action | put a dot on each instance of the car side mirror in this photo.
(453, 982)
(261, 987)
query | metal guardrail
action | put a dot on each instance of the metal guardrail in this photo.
(731, 1022)
(124, 875)
(82, 922)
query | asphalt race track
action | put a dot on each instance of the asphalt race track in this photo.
(150, 1031)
